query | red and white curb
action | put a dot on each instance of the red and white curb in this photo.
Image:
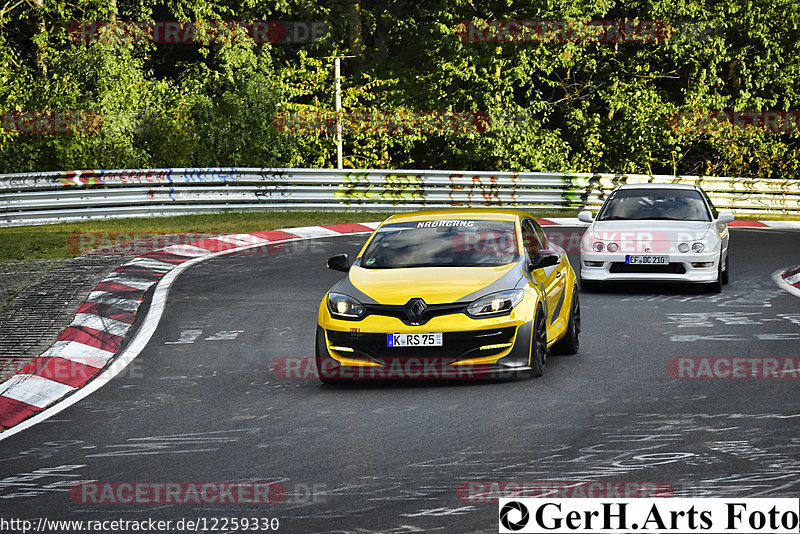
(95, 346)
(788, 279)
(785, 225)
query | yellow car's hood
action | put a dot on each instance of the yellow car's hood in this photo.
(435, 285)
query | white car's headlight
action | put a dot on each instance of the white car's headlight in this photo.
(598, 247)
(344, 307)
(698, 247)
(612, 247)
(500, 303)
(683, 247)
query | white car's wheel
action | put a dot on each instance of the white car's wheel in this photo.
(716, 286)
(725, 272)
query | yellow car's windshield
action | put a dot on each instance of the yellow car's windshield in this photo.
(442, 243)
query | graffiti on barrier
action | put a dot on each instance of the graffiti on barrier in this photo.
(401, 188)
(275, 183)
(485, 190)
(358, 187)
(354, 187)
(200, 174)
(477, 189)
(31, 181)
(114, 177)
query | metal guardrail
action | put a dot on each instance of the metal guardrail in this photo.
(50, 197)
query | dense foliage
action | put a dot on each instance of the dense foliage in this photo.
(579, 105)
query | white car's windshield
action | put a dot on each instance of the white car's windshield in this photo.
(442, 243)
(655, 204)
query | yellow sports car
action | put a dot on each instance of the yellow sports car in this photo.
(449, 293)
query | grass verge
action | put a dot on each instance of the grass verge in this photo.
(59, 240)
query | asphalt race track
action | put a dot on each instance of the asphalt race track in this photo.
(202, 403)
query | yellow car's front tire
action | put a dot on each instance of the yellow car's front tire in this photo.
(538, 355)
(322, 357)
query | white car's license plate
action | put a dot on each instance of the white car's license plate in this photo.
(646, 260)
(429, 339)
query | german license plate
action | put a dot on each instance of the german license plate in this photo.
(646, 260)
(429, 339)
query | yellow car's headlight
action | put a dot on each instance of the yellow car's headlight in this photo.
(496, 304)
(345, 307)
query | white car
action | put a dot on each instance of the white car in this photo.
(656, 232)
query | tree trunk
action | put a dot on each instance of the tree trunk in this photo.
(355, 38)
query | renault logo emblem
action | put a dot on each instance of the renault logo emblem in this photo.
(415, 308)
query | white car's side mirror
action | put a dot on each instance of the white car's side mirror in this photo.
(725, 217)
(586, 216)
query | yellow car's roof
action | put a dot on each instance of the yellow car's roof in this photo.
(492, 214)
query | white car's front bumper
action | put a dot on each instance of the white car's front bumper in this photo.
(682, 267)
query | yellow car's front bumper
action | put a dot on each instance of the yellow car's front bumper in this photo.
(472, 348)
